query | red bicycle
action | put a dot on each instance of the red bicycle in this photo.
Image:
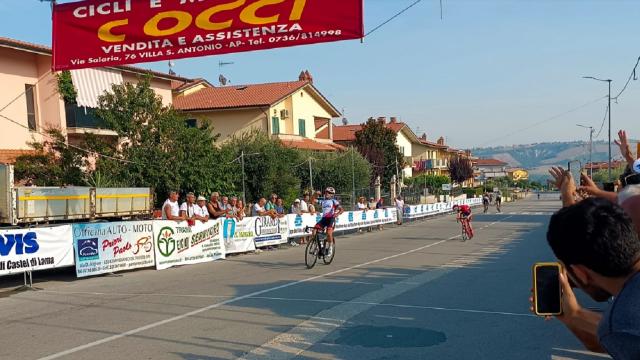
(467, 229)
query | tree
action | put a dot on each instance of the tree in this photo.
(432, 182)
(54, 162)
(377, 144)
(460, 169)
(268, 166)
(156, 148)
(336, 170)
(602, 176)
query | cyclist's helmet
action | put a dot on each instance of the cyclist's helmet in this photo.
(330, 190)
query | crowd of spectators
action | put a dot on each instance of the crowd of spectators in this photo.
(596, 238)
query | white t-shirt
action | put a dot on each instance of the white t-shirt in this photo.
(257, 209)
(399, 204)
(201, 211)
(189, 209)
(303, 206)
(175, 209)
(361, 206)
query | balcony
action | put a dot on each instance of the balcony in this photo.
(82, 120)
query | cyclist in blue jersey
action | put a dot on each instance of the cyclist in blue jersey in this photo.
(331, 209)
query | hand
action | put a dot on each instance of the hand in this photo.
(558, 176)
(568, 189)
(570, 306)
(533, 310)
(588, 186)
(625, 148)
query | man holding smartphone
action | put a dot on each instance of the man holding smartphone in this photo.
(600, 252)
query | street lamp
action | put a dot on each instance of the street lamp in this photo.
(609, 111)
(590, 147)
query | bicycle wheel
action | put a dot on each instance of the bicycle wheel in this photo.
(328, 259)
(465, 237)
(311, 252)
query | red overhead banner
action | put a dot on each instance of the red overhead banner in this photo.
(96, 33)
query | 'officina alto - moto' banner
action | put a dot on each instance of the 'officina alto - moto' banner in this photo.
(109, 247)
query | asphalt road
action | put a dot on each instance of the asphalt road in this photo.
(410, 292)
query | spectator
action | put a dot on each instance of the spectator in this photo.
(360, 205)
(271, 204)
(380, 204)
(312, 204)
(171, 209)
(225, 207)
(280, 207)
(214, 206)
(201, 211)
(304, 204)
(188, 209)
(260, 210)
(295, 207)
(629, 200)
(372, 205)
(233, 208)
(240, 211)
(400, 208)
(600, 252)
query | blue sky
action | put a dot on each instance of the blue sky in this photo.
(483, 74)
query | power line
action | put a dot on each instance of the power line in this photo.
(24, 92)
(631, 76)
(604, 119)
(544, 121)
(393, 17)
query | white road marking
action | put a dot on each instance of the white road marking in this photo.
(135, 294)
(419, 307)
(229, 301)
(233, 300)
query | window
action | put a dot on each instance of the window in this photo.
(275, 125)
(302, 127)
(402, 150)
(31, 106)
(191, 123)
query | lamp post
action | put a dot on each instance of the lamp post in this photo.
(609, 111)
(242, 156)
(590, 147)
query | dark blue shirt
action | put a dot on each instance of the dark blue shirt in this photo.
(619, 329)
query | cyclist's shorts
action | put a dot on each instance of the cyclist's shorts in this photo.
(466, 214)
(498, 199)
(326, 222)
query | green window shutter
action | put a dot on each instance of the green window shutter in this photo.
(302, 127)
(275, 125)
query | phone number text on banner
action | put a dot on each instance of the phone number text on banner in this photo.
(181, 244)
(35, 249)
(121, 32)
(102, 248)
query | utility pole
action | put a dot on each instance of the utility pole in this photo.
(242, 156)
(310, 175)
(398, 178)
(353, 178)
(591, 130)
(609, 113)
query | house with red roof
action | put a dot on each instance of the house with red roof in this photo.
(30, 102)
(294, 112)
(490, 168)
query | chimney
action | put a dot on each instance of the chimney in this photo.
(308, 75)
(302, 76)
(424, 136)
(441, 141)
(393, 119)
(382, 119)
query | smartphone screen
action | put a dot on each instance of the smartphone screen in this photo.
(547, 287)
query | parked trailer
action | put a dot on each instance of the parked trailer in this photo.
(35, 204)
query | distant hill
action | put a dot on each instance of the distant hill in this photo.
(539, 157)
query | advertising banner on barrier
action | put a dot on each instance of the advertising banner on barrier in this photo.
(102, 248)
(297, 223)
(349, 220)
(238, 235)
(417, 211)
(119, 32)
(181, 244)
(35, 249)
(270, 231)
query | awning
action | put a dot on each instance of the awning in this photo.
(91, 83)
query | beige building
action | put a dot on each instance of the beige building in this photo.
(294, 112)
(30, 103)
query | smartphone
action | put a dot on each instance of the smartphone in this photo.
(547, 293)
(575, 170)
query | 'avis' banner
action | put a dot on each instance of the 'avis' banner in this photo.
(95, 33)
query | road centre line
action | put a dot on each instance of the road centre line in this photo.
(236, 299)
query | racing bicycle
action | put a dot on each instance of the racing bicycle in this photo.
(467, 231)
(317, 248)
